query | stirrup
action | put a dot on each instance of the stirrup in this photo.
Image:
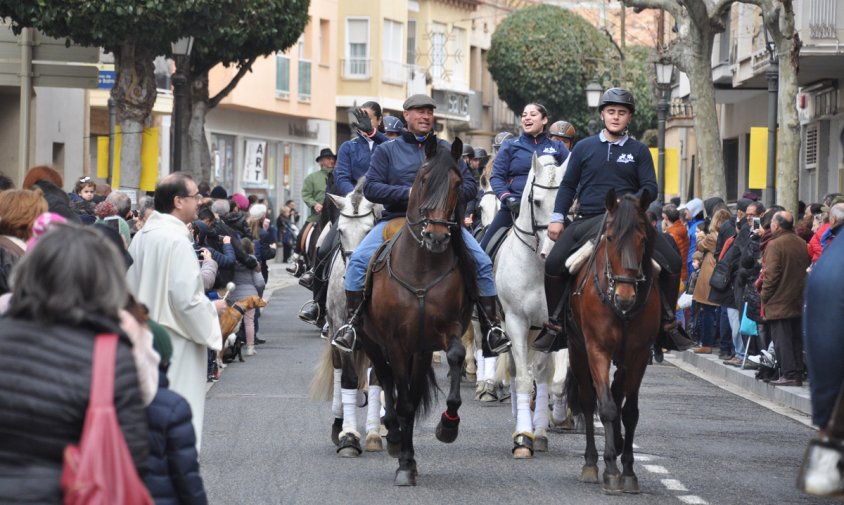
(302, 308)
(342, 331)
(307, 282)
(548, 338)
(503, 347)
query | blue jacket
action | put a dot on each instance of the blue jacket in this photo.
(392, 171)
(596, 166)
(514, 161)
(353, 162)
(173, 476)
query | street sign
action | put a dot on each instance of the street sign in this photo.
(107, 76)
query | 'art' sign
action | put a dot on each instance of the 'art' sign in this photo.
(254, 168)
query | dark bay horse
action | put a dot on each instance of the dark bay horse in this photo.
(421, 302)
(614, 318)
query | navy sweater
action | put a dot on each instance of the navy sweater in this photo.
(173, 476)
(596, 166)
(353, 162)
(392, 172)
(515, 159)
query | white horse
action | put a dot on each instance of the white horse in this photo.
(341, 376)
(519, 275)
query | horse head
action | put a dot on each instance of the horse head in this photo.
(627, 250)
(435, 194)
(538, 198)
(357, 216)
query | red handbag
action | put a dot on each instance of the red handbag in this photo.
(100, 470)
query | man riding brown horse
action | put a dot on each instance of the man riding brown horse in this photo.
(597, 164)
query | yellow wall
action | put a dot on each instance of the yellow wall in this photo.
(256, 91)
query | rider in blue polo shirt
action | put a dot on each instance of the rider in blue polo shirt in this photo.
(513, 163)
(389, 179)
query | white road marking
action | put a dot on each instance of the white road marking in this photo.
(655, 469)
(673, 485)
(692, 499)
(641, 457)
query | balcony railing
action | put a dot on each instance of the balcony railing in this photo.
(393, 72)
(356, 68)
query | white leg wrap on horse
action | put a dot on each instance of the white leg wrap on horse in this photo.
(479, 364)
(489, 365)
(540, 412)
(373, 411)
(524, 423)
(513, 400)
(350, 405)
(559, 412)
(337, 402)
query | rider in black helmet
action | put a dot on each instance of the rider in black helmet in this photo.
(392, 126)
(608, 160)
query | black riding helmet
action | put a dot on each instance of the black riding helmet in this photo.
(618, 96)
(392, 124)
(468, 151)
(481, 154)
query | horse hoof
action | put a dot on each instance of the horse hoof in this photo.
(393, 448)
(612, 484)
(522, 446)
(336, 429)
(349, 446)
(405, 477)
(447, 428)
(373, 442)
(631, 484)
(589, 474)
(522, 453)
(540, 444)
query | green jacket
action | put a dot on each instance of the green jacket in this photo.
(313, 191)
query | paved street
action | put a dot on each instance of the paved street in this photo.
(266, 442)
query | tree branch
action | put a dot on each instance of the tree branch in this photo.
(671, 6)
(246, 67)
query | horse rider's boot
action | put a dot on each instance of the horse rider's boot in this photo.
(497, 339)
(552, 336)
(307, 279)
(669, 285)
(314, 312)
(346, 338)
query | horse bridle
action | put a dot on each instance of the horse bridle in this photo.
(424, 222)
(609, 298)
(535, 228)
(347, 254)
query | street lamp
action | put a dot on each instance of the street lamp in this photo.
(772, 75)
(181, 51)
(593, 98)
(664, 70)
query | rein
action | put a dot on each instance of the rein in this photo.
(534, 227)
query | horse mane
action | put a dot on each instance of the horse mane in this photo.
(626, 220)
(435, 196)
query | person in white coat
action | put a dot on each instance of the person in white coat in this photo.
(165, 277)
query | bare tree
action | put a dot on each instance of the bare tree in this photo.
(697, 23)
(778, 18)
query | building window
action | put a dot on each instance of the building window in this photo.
(324, 41)
(282, 76)
(810, 149)
(304, 81)
(458, 61)
(411, 41)
(356, 65)
(393, 68)
(438, 51)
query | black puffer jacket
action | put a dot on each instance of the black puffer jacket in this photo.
(45, 379)
(173, 476)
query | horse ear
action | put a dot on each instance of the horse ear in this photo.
(644, 201)
(430, 147)
(338, 201)
(612, 201)
(457, 148)
(535, 164)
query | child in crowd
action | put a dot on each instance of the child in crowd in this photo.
(248, 282)
(83, 190)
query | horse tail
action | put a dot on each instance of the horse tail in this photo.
(572, 390)
(322, 383)
(424, 383)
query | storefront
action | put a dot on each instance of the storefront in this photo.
(265, 155)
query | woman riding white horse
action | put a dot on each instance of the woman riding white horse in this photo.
(519, 269)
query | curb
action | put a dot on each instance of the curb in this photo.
(796, 398)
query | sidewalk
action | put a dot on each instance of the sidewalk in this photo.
(796, 398)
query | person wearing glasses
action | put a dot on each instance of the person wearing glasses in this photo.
(165, 276)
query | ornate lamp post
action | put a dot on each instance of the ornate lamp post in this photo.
(593, 97)
(181, 52)
(664, 70)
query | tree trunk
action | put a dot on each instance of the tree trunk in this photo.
(788, 141)
(695, 61)
(134, 94)
(198, 158)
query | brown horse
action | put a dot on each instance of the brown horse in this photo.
(614, 318)
(420, 302)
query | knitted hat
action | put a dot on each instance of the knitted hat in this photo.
(41, 225)
(219, 193)
(161, 341)
(241, 200)
(258, 211)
